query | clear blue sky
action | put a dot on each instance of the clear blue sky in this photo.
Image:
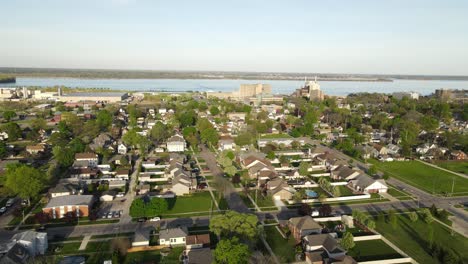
(398, 36)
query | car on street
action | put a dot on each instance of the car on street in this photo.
(120, 194)
(2, 210)
(155, 219)
(109, 215)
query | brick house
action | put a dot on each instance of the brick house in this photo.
(76, 205)
(303, 226)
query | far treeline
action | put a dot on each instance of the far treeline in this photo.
(7, 78)
(153, 74)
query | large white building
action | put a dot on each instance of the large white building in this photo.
(176, 143)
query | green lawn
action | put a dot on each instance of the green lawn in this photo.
(400, 195)
(196, 202)
(262, 201)
(413, 238)
(283, 248)
(345, 191)
(271, 136)
(372, 250)
(424, 177)
(454, 165)
(154, 256)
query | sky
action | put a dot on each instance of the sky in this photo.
(369, 37)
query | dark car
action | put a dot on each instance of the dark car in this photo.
(141, 220)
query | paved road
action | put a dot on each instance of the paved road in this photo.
(232, 197)
(130, 195)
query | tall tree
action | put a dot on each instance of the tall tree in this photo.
(235, 224)
(347, 242)
(159, 132)
(231, 251)
(25, 181)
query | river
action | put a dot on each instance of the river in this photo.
(278, 86)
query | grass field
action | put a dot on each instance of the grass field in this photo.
(400, 195)
(345, 191)
(283, 248)
(154, 256)
(454, 165)
(413, 238)
(372, 250)
(197, 202)
(425, 177)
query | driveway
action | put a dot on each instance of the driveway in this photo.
(130, 195)
(232, 197)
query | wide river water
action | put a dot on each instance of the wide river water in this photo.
(278, 87)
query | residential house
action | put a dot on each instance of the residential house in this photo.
(182, 184)
(324, 242)
(197, 241)
(103, 140)
(107, 196)
(75, 205)
(3, 135)
(393, 150)
(62, 189)
(226, 143)
(458, 155)
(303, 226)
(286, 141)
(34, 242)
(383, 151)
(35, 149)
(366, 184)
(344, 172)
(122, 149)
(141, 238)
(83, 173)
(122, 174)
(91, 158)
(173, 236)
(176, 143)
(143, 189)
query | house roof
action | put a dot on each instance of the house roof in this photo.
(87, 155)
(304, 223)
(364, 181)
(70, 200)
(200, 256)
(324, 240)
(198, 239)
(123, 172)
(35, 147)
(176, 138)
(63, 187)
(173, 233)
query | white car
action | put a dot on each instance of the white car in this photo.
(155, 219)
(315, 213)
(120, 194)
(2, 210)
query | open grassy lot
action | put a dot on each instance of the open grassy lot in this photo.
(422, 176)
(454, 165)
(197, 202)
(372, 250)
(283, 248)
(400, 195)
(262, 201)
(413, 238)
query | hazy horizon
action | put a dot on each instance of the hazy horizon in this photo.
(334, 37)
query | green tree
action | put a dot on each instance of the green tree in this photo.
(413, 216)
(63, 155)
(230, 170)
(304, 168)
(210, 136)
(13, 130)
(214, 110)
(243, 139)
(8, 115)
(148, 208)
(187, 118)
(347, 242)
(336, 191)
(231, 251)
(3, 149)
(104, 119)
(38, 123)
(24, 180)
(159, 132)
(235, 224)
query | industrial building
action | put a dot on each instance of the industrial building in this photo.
(103, 97)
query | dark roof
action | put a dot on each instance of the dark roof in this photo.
(70, 200)
(200, 256)
(304, 223)
(198, 239)
(85, 156)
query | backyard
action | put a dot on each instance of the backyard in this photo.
(284, 248)
(425, 177)
(372, 250)
(414, 237)
(197, 202)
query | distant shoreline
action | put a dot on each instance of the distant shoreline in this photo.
(215, 75)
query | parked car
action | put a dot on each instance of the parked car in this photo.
(120, 194)
(142, 220)
(2, 210)
(155, 219)
(115, 214)
(10, 202)
(315, 213)
(109, 215)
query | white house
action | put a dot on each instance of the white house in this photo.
(226, 143)
(107, 196)
(91, 158)
(122, 149)
(34, 242)
(173, 236)
(3, 135)
(176, 143)
(366, 184)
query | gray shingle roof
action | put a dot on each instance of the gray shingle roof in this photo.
(70, 200)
